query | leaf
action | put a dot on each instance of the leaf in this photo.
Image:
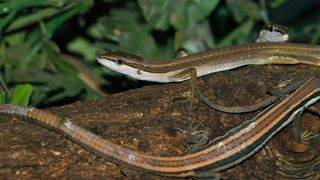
(58, 16)
(65, 67)
(156, 13)
(21, 94)
(7, 20)
(2, 97)
(58, 20)
(276, 3)
(194, 39)
(16, 38)
(161, 14)
(32, 18)
(242, 8)
(83, 47)
(20, 4)
(48, 55)
(241, 31)
(181, 14)
(199, 9)
(316, 36)
(125, 34)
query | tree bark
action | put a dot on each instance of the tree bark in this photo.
(144, 120)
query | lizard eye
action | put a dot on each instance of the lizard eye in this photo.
(270, 28)
(119, 62)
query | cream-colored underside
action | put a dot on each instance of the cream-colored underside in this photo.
(170, 76)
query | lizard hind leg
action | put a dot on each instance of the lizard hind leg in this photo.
(305, 136)
(198, 138)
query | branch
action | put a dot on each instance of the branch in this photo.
(144, 120)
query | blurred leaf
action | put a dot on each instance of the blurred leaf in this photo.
(29, 19)
(233, 37)
(48, 56)
(65, 67)
(29, 56)
(6, 21)
(51, 47)
(242, 8)
(16, 38)
(83, 47)
(57, 85)
(58, 20)
(156, 13)
(276, 3)
(194, 39)
(20, 4)
(47, 72)
(316, 37)
(305, 34)
(2, 97)
(21, 94)
(160, 14)
(4, 92)
(71, 9)
(122, 30)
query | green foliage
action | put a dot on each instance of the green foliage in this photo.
(21, 94)
(36, 36)
(28, 55)
(163, 14)
(121, 29)
(242, 9)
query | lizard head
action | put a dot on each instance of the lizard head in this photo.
(273, 33)
(122, 62)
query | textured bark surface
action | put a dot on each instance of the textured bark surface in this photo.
(144, 120)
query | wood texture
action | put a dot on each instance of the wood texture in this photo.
(144, 120)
